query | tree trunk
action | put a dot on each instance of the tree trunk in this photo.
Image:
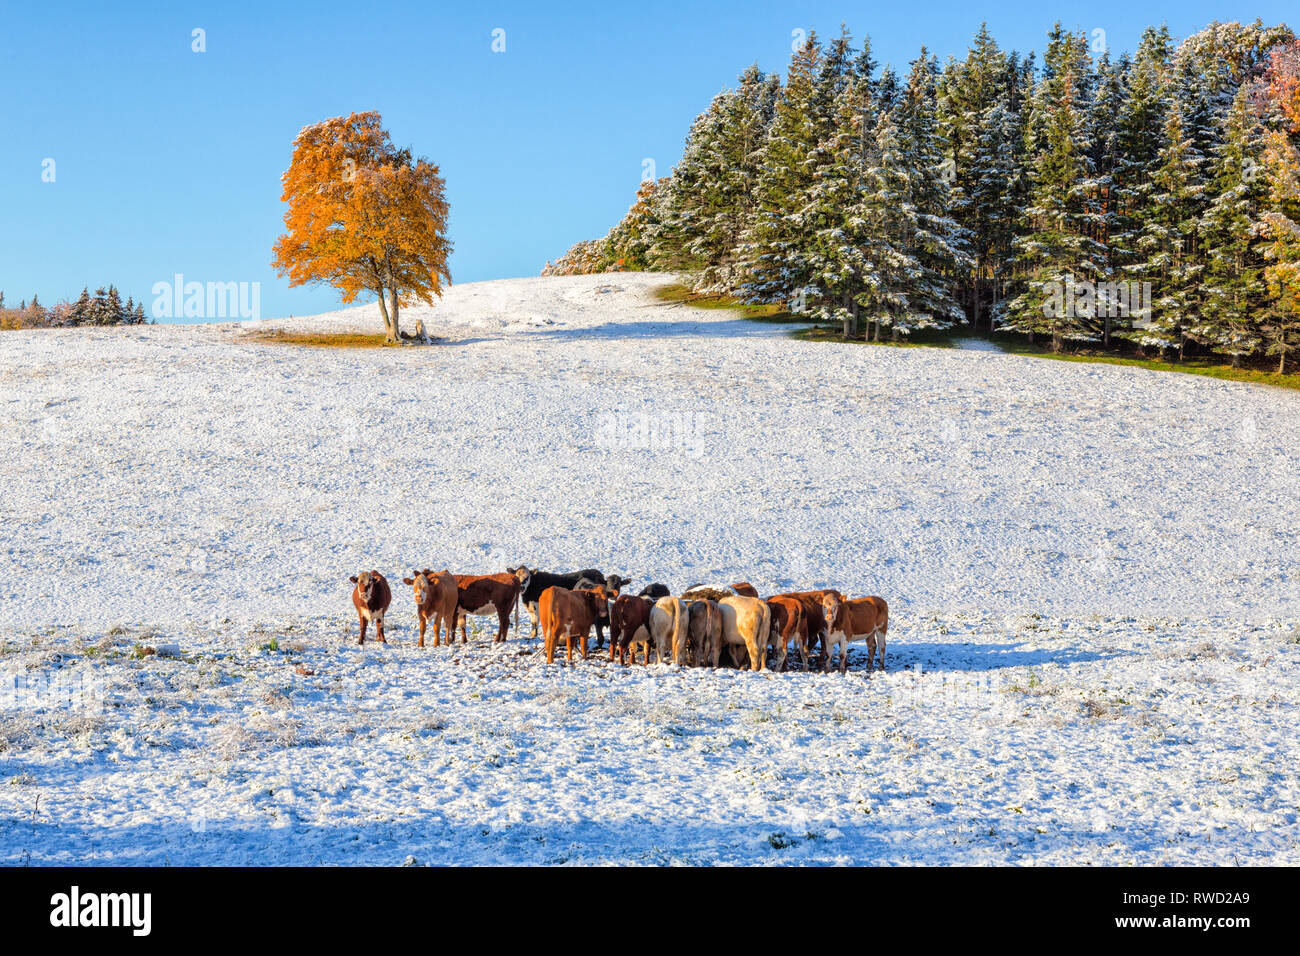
(395, 330)
(383, 311)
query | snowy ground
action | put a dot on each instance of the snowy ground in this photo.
(1092, 572)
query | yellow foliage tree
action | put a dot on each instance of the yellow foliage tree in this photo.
(1281, 326)
(363, 216)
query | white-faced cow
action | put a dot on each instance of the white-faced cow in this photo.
(855, 620)
(371, 598)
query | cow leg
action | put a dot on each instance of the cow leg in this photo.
(503, 621)
(880, 648)
(582, 643)
(363, 631)
(423, 621)
(379, 630)
(600, 636)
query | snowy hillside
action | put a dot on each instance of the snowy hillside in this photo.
(1092, 573)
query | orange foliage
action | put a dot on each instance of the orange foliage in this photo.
(363, 216)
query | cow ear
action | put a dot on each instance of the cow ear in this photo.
(353, 579)
(408, 580)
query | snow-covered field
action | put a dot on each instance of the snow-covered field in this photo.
(1092, 572)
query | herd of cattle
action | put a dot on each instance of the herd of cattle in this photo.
(704, 625)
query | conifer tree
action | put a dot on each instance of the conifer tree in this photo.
(775, 247)
(1058, 250)
(1231, 230)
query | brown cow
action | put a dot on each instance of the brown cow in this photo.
(436, 598)
(705, 630)
(789, 624)
(848, 621)
(814, 615)
(483, 595)
(629, 625)
(569, 615)
(371, 598)
(745, 589)
(882, 626)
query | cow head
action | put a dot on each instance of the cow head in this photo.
(831, 608)
(522, 575)
(600, 599)
(367, 583)
(419, 581)
(615, 584)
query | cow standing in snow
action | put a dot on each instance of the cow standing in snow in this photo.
(371, 598)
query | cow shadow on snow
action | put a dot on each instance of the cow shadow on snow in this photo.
(973, 657)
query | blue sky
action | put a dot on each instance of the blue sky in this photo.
(169, 161)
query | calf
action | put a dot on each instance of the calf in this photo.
(483, 595)
(788, 625)
(569, 615)
(371, 598)
(629, 625)
(669, 626)
(848, 621)
(436, 598)
(705, 632)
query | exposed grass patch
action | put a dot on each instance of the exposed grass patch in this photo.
(330, 340)
(760, 312)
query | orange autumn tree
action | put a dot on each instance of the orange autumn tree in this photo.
(1281, 326)
(363, 216)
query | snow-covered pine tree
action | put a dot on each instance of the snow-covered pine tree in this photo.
(982, 131)
(1230, 229)
(1164, 247)
(1107, 101)
(99, 310)
(940, 243)
(80, 313)
(774, 247)
(1057, 249)
(112, 307)
(1139, 135)
(703, 209)
(840, 266)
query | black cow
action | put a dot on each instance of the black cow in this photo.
(533, 582)
(656, 591)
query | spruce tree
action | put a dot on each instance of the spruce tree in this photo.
(1231, 227)
(775, 247)
(1058, 249)
(81, 312)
